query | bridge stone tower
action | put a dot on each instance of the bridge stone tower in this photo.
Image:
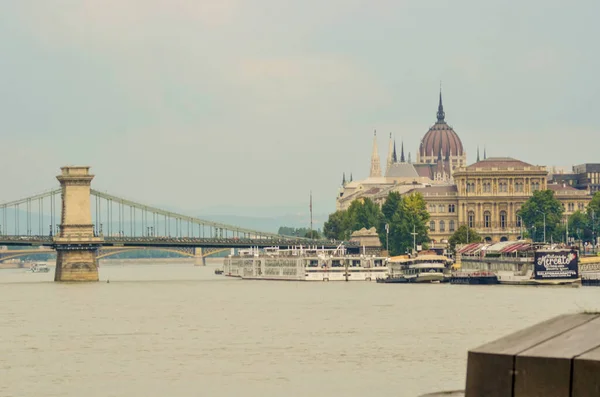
(76, 246)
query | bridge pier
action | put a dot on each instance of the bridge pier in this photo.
(76, 246)
(199, 259)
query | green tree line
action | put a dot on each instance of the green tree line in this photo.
(403, 215)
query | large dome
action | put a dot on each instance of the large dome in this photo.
(441, 138)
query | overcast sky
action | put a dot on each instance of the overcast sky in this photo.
(224, 105)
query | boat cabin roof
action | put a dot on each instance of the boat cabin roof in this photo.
(420, 258)
(427, 266)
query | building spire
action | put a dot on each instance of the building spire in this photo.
(440, 113)
(344, 179)
(409, 161)
(375, 164)
(477, 153)
(484, 153)
(390, 157)
(394, 156)
(402, 153)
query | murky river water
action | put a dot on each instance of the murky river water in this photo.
(179, 330)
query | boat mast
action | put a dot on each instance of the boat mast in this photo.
(311, 217)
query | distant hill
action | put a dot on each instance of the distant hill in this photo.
(269, 224)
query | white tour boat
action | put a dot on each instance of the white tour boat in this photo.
(304, 264)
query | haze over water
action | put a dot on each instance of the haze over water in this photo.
(179, 330)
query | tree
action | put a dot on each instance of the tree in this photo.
(292, 231)
(389, 208)
(363, 213)
(312, 234)
(594, 206)
(411, 217)
(542, 206)
(391, 205)
(579, 225)
(593, 212)
(463, 235)
(334, 227)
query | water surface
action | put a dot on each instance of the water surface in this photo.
(179, 330)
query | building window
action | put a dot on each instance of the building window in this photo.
(518, 221)
(441, 208)
(431, 208)
(487, 187)
(535, 186)
(503, 187)
(442, 226)
(451, 225)
(571, 207)
(486, 219)
(451, 208)
(503, 219)
(471, 218)
(519, 187)
(470, 187)
(432, 226)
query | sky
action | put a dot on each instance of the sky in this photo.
(238, 107)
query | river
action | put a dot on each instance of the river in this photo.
(180, 330)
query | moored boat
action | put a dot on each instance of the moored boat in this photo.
(518, 263)
(422, 268)
(474, 278)
(304, 264)
(39, 268)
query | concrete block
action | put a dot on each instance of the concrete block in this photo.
(586, 374)
(545, 369)
(491, 367)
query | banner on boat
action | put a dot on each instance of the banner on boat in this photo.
(556, 265)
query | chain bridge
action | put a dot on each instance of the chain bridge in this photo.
(82, 225)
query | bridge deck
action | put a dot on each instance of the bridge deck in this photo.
(183, 242)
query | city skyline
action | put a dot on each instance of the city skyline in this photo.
(201, 106)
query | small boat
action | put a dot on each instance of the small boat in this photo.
(39, 268)
(218, 271)
(393, 280)
(481, 277)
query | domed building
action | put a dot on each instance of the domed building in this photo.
(441, 143)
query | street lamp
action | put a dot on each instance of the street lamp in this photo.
(594, 241)
(414, 234)
(387, 238)
(543, 213)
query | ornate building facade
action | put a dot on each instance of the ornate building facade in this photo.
(486, 195)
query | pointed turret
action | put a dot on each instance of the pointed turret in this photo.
(390, 157)
(402, 152)
(344, 179)
(484, 153)
(375, 163)
(394, 157)
(440, 154)
(409, 161)
(440, 113)
(350, 177)
(477, 153)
